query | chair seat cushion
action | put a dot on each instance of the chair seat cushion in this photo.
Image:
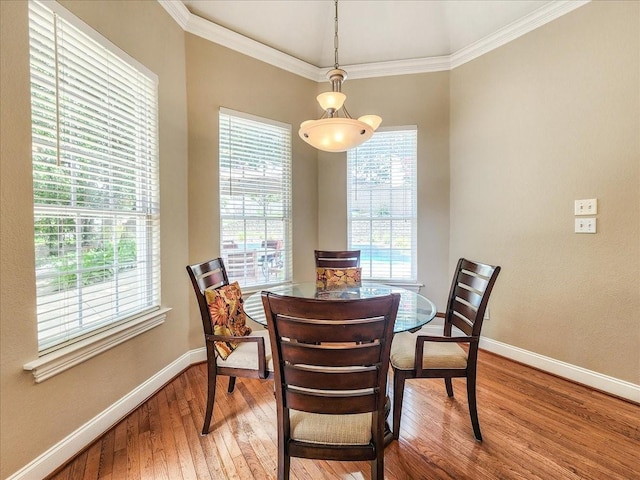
(245, 354)
(435, 354)
(331, 429)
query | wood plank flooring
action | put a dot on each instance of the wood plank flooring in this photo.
(535, 426)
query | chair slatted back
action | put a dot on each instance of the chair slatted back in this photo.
(469, 295)
(209, 274)
(468, 298)
(331, 356)
(337, 258)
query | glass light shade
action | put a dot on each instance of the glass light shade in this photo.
(373, 120)
(335, 134)
(333, 100)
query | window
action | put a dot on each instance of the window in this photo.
(95, 180)
(255, 198)
(381, 204)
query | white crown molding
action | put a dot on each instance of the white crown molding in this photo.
(227, 38)
(398, 67)
(222, 36)
(235, 41)
(177, 10)
(526, 24)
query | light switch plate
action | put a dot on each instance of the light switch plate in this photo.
(586, 207)
(585, 225)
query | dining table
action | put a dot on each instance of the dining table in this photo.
(414, 311)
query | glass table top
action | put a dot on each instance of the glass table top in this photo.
(414, 311)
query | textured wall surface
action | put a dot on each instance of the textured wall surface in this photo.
(421, 100)
(547, 119)
(506, 143)
(28, 426)
(220, 77)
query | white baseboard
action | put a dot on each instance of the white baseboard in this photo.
(592, 379)
(70, 446)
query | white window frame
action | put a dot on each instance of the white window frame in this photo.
(95, 114)
(391, 203)
(255, 199)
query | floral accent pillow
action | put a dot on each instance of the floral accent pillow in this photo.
(337, 278)
(227, 315)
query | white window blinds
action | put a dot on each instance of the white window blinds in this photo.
(95, 180)
(255, 198)
(382, 205)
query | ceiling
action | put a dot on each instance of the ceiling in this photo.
(371, 32)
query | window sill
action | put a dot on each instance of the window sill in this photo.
(248, 290)
(412, 286)
(57, 362)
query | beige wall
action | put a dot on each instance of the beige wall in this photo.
(35, 417)
(536, 124)
(421, 100)
(219, 77)
(518, 134)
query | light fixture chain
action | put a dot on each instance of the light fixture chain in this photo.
(332, 133)
(335, 37)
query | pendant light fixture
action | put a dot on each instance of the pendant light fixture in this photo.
(332, 133)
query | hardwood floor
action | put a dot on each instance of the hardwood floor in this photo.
(535, 426)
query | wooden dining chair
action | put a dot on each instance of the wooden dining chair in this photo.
(337, 258)
(428, 356)
(332, 360)
(251, 355)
